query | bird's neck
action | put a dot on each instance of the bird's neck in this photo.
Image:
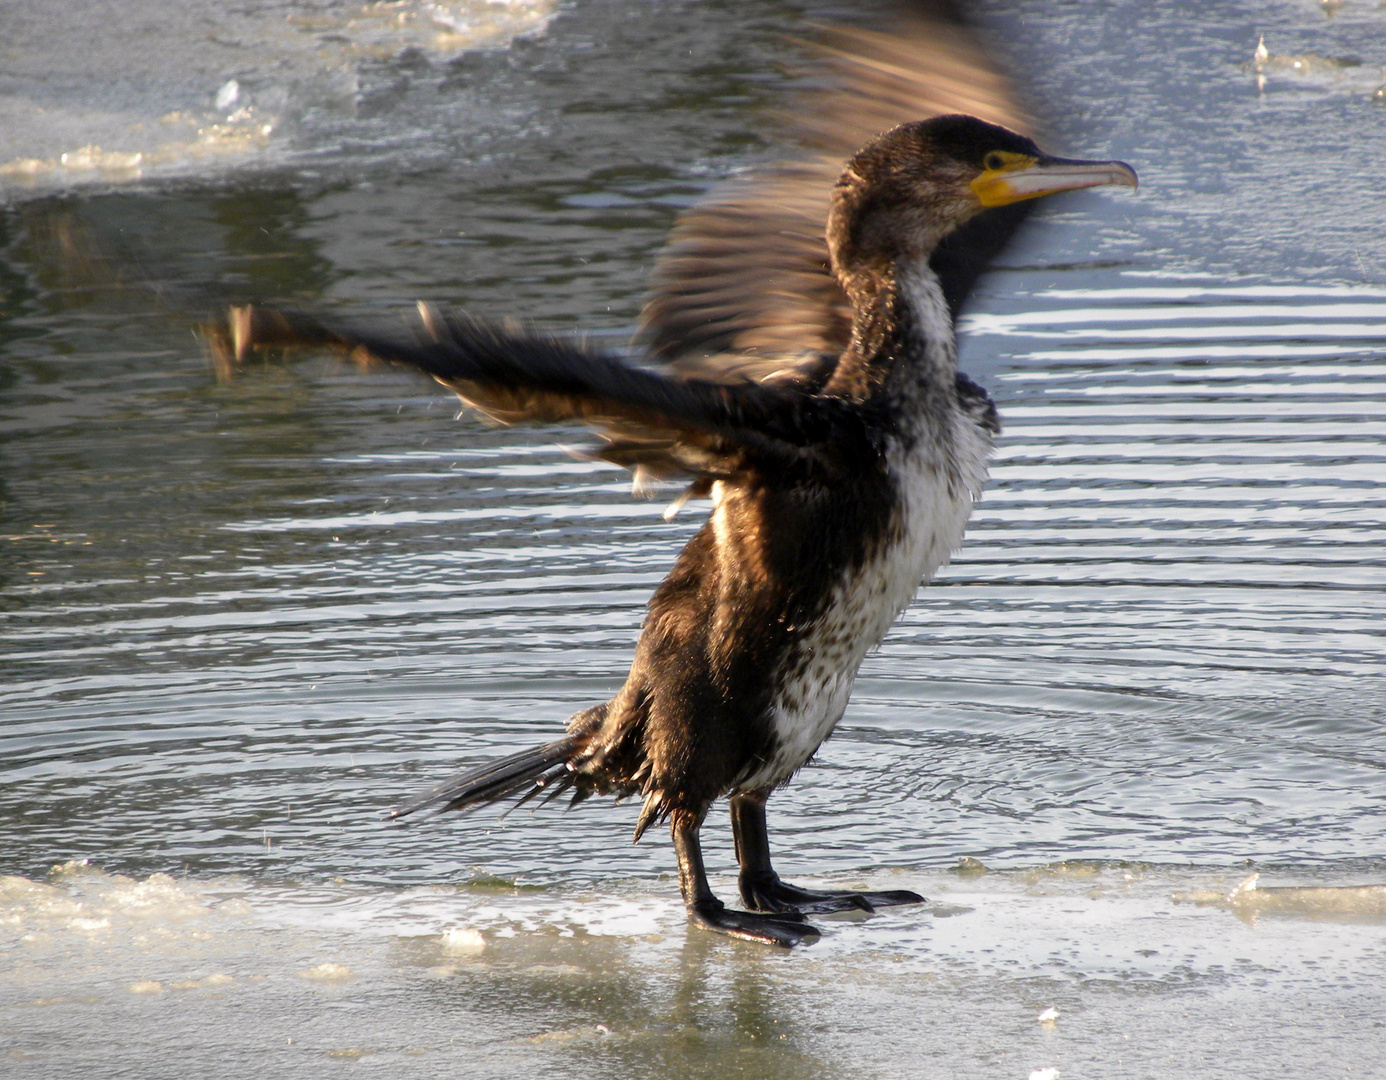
(902, 330)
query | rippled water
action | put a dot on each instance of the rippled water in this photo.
(241, 620)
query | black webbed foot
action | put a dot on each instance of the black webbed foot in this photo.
(766, 892)
(784, 930)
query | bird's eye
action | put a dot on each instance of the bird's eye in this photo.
(994, 160)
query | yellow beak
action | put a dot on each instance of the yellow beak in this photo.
(1029, 178)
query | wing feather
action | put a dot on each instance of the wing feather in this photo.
(743, 289)
(652, 419)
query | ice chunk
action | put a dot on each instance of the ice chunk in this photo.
(227, 95)
(328, 972)
(463, 939)
(1248, 899)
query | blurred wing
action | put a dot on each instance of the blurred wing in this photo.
(743, 289)
(650, 419)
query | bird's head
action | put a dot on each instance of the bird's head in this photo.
(912, 186)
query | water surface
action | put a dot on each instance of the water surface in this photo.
(241, 620)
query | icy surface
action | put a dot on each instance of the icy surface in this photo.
(1093, 969)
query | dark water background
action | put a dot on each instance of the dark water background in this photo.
(239, 620)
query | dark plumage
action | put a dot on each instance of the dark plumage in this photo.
(841, 446)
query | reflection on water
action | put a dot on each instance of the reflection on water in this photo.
(238, 621)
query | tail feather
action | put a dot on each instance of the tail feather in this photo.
(496, 779)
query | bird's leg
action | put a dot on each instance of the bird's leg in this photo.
(707, 911)
(761, 887)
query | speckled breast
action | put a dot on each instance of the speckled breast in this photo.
(936, 480)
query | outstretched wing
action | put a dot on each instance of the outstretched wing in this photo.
(744, 312)
(705, 428)
(743, 289)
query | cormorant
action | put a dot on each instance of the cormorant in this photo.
(812, 391)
